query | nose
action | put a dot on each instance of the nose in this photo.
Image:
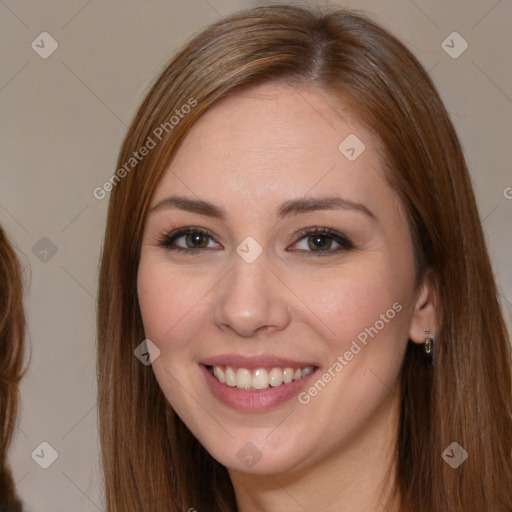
(250, 300)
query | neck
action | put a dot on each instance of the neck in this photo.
(359, 476)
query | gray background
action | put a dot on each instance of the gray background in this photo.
(64, 119)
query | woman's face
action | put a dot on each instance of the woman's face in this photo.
(276, 256)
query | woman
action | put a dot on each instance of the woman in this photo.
(12, 332)
(293, 243)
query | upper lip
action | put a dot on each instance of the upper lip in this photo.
(254, 362)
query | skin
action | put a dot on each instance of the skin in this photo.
(249, 153)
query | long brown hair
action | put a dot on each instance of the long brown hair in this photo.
(12, 335)
(150, 459)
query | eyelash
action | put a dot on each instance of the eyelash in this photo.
(345, 244)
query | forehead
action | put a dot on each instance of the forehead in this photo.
(269, 142)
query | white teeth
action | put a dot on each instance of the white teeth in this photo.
(243, 378)
(306, 371)
(260, 378)
(287, 375)
(230, 377)
(275, 377)
(219, 373)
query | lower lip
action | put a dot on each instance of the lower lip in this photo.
(254, 400)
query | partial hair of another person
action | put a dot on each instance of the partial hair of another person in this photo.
(12, 334)
(150, 459)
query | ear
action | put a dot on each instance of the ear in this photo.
(424, 314)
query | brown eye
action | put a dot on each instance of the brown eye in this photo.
(196, 241)
(319, 241)
(188, 240)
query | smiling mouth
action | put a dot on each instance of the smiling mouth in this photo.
(258, 379)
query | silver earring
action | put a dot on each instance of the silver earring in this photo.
(429, 343)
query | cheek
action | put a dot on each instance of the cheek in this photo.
(167, 302)
(171, 304)
(364, 325)
(361, 301)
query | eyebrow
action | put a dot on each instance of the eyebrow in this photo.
(286, 209)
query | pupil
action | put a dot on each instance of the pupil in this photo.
(196, 239)
(320, 242)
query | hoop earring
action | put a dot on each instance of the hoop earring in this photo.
(429, 343)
